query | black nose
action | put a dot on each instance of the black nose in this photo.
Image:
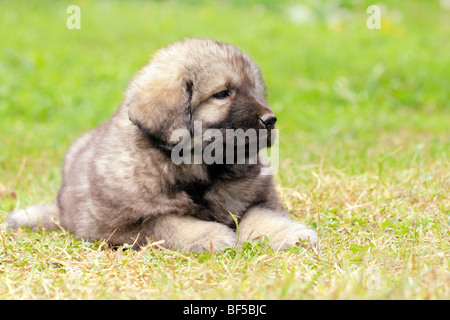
(268, 121)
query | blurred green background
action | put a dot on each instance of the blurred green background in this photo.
(354, 98)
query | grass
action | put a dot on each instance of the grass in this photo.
(364, 141)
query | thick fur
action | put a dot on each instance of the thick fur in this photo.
(120, 184)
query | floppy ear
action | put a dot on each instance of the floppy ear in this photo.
(158, 105)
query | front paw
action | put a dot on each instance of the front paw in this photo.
(289, 236)
(215, 239)
(281, 231)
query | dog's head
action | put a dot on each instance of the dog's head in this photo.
(198, 80)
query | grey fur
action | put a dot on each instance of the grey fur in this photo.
(120, 184)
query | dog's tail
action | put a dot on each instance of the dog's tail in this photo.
(35, 217)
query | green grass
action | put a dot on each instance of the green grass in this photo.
(364, 140)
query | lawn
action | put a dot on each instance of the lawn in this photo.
(364, 143)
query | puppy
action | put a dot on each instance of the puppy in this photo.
(135, 178)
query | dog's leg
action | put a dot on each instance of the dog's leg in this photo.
(281, 231)
(187, 233)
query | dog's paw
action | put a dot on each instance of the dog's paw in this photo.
(215, 239)
(291, 235)
(281, 231)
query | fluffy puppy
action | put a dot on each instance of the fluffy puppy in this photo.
(121, 183)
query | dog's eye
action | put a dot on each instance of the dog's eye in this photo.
(222, 94)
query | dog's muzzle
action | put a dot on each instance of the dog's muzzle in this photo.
(268, 121)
